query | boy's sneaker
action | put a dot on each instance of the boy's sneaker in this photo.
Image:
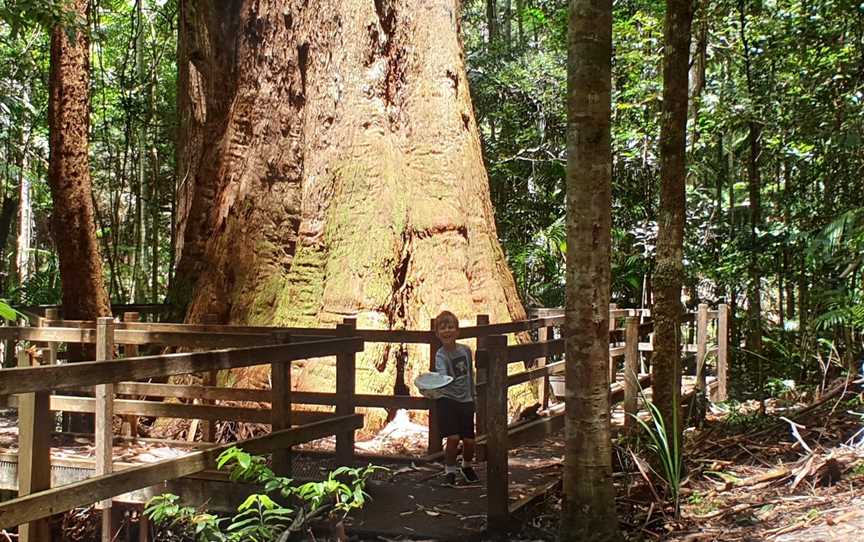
(450, 479)
(470, 475)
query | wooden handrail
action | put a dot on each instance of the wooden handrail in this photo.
(529, 351)
(531, 374)
(159, 409)
(88, 373)
(214, 393)
(407, 336)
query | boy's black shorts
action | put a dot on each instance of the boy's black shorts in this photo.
(456, 418)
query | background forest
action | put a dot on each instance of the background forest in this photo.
(775, 223)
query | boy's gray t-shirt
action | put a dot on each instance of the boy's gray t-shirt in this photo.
(458, 364)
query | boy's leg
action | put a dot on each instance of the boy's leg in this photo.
(468, 444)
(451, 450)
(468, 472)
(468, 447)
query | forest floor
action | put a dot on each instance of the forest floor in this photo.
(751, 476)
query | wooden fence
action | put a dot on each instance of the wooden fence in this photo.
(255, 345)
(33, 385)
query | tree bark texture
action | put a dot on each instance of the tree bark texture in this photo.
(589, 496)
(669, 270)
(72, 220)
(330, 166)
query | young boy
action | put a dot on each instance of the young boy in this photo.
(456, 407)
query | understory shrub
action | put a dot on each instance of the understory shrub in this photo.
(284, 511)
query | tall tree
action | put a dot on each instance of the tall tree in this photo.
(72, 223)
(492, 20)
(754, 183)
(589, 496)
(670, 236)
(330, 165)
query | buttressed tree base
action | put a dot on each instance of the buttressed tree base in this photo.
(330, 166)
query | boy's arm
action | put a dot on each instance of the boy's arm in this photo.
(472, 368)
(441, 363)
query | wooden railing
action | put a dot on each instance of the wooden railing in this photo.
(252, 345)
(495, 355)
(33, 385)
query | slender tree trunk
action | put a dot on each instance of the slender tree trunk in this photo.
(754, 290)
(697, 71)
(803, 295)
(154, 224)
(25, 224)
(722, 178)
(8, 211)
(508, 24)
(781, 290)
(329, 165)
(754, 177)
(589, 497)
(72, 222)
(520, 32)
(670, 237)
(492, 20)
(25, 214)
(787, 267)
(140, 270)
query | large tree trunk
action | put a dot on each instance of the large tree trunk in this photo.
(72, 223)
(670, 237)
(589, 496)
(330, 166)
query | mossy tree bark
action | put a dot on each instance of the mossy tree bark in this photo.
(669, 271)
(330, 166)
(589, 496)
(72, 223)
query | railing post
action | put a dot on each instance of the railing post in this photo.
(434, 444)
(542, 336)
(280, 407)
(129, 427)
(722, 352)
(701, 346)
(345, 393)
(208, 428)
(480, 386)
(104, 431)
(631, 372)
(549, 336)
(497, 479)
(50, 314)
(34, 452)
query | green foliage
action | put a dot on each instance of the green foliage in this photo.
(260, 518)
(21, 14)
(165, 511)
(738, 419)
(8, 313)
(667, 450)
